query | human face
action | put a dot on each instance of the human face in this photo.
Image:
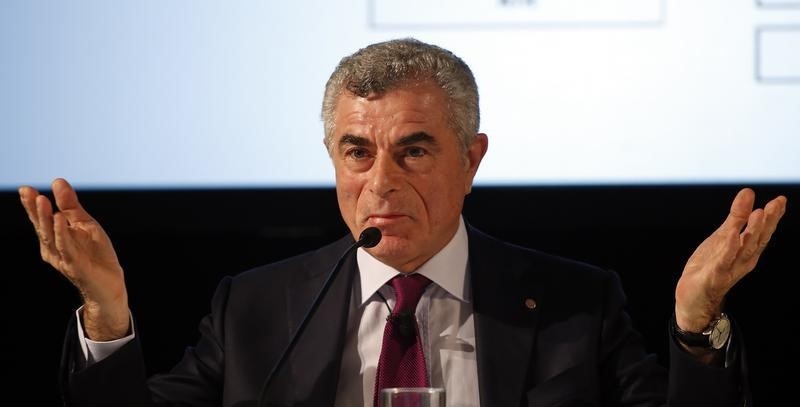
(401, 168)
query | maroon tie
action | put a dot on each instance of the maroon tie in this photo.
(402, 362)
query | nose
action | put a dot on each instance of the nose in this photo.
(385, 176)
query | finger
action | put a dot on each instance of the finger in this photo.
(67, 202)
(773, 212)
(741, 208)
(751, 236)
(44, 212)
(64, 243)
(28, 197)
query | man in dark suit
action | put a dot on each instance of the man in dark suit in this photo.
(494, 324)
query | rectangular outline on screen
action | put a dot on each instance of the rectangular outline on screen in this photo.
(793, 79)
(662, 12)
(778, 4)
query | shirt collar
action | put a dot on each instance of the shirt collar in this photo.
(447, 268)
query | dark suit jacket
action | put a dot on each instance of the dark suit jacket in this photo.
(576, 347)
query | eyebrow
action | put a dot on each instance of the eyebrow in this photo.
(418, 137)
(353, 140)
(411, 139)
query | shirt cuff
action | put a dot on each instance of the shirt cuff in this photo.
(95, 351)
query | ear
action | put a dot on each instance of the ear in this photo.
(325, 144)
(475, 153)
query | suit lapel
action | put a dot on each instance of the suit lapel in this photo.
(505, 302)
(316, 359)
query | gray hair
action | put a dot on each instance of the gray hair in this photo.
(389, 65)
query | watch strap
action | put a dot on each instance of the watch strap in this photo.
(694, 339)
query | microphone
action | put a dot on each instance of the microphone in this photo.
(370, 237)
(406, 323)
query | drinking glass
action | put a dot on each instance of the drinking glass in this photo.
(413, 397)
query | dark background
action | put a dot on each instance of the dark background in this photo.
(176, 245)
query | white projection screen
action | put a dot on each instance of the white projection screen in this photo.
(226, 94)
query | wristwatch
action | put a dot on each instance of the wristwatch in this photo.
(715, 336)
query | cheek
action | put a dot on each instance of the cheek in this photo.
(431, 197)
(445, 197)
(347, 197)
(348, 193)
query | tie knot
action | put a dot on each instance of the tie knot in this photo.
(408, 289)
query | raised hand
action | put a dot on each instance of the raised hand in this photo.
(77, 246)
(724, 258)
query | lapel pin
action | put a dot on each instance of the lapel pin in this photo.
(530, 303)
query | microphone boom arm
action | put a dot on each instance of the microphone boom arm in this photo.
(370, 237)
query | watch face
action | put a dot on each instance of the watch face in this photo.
(720, 333)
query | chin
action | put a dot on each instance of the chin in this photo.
(391, 246)
(393, 251)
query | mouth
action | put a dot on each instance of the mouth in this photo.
(385, 219)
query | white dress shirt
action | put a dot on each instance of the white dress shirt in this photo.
(445, 319)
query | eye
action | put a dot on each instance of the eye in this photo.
(357, 153)
(416, 152)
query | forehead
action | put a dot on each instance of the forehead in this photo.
(421, 102)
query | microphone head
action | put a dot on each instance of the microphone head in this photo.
(370, 237)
